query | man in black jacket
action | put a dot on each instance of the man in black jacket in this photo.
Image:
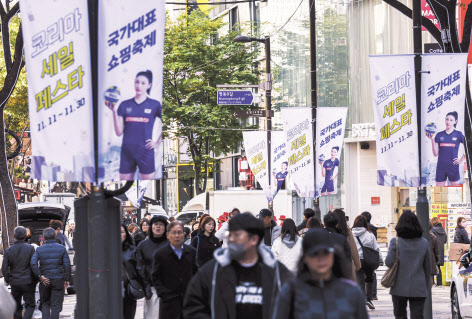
(307, 213)
(372, 228)
(18, 273)
(173, 267)
(242, 281)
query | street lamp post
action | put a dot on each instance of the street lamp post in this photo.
(268, 93)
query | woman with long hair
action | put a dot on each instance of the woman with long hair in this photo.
(205, 242)
(461, 236)
(360, 230)
(440, 233)
(288, 246)
(415, 263)
(344, 230)
(321, 288)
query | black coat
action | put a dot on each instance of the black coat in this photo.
(16, 266)
(171, 275)
(340, 241)
(440, 233)
(128, 269)
(373, 230)
(138, 237)
(461, 236)
(144, 257)
(302, 225)
(205, 246)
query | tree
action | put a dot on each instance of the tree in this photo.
(198, 55)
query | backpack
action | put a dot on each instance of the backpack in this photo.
(371, 257)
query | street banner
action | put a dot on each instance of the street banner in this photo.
(57, 52)
(442, 119)
(255, 144)
(136, 193)
(298, 130)
(131, 50)
(393, 96)
(330, 126)
(279, 161)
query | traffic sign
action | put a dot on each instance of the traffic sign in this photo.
(236, 97)
(252, 113)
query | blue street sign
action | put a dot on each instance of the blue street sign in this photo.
(237, 97)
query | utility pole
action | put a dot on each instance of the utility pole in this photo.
(314, 98)
(422, 206)
(268, 103)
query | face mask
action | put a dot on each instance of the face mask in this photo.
(236, 251)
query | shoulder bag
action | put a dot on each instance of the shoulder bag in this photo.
(371, 257)
(389, 277)
(134, 288)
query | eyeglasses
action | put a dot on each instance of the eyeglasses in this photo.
(176, 233)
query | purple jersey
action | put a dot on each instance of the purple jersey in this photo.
(330, 165)
(448, 147)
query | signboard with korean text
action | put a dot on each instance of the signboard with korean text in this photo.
(442, 119)
(131, 49)
(57, 53)
(331, 122)
(255, 144)
(298, 131)
(394, 101)
(235, 97)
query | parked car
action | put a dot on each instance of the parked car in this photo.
(461, 292)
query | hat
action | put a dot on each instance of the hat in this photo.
(247, 222)
(264, 213)
(316, 240)
(222, 217)
(282, 217)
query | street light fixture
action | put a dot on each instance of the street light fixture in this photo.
(268, 92)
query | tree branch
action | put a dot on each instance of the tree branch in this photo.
(14, 72)
(465, 44)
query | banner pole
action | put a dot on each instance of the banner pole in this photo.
(422, 205)
(268, 94)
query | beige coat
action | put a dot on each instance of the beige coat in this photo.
(356, 262)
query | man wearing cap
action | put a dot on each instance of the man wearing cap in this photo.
(242, 281)
(221, 233)
(321, 289)
(271, 229)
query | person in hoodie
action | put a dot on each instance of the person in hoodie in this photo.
(441, 235)
(242, 281)
(205, 242)
(461, 235)
(288, 247)
(362, 234)
(144, 258)
(321, 288)
(271, 229)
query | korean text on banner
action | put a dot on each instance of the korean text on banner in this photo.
(131, 51)
(298, 131)
(442, 119)
(255, 144)
(331, 122)
(279, 161)
(57, 51)
(394, 101)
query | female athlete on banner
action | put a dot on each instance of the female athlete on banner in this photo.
(446, 147)
(134, 119)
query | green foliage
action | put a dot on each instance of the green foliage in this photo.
(199, 54)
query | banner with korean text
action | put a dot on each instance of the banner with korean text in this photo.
(442, 119)
(57, 52)
(330, 125)
(298, 131)
(255, 144)
(131, 51)
(394, 100)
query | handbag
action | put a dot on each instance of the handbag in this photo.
(134, 288)
(371, 257)
(389, 277)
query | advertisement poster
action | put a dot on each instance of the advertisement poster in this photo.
(394, 101)
(331, 122)
(131, 47)
(442, 119)
(255, 144)
(279, 161)
(298, 131)
(57, 52)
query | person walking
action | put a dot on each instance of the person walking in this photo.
(173, 267)
(461, 236)
(18, 274)
(287, 247)
(221, 233)
(307, 214)
(415, 262)
(144, 258)
(331, 221)
(434, 252)
(242, 281)
(205, 242)
(51, 264)
(364, 238)
(128, 272)
(271, 229)
(312, 223)
(440, 233)
(373, 230)
(322, 288)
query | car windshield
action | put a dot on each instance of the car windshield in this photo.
(186, 218)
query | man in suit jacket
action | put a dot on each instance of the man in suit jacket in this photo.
(173, 267)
